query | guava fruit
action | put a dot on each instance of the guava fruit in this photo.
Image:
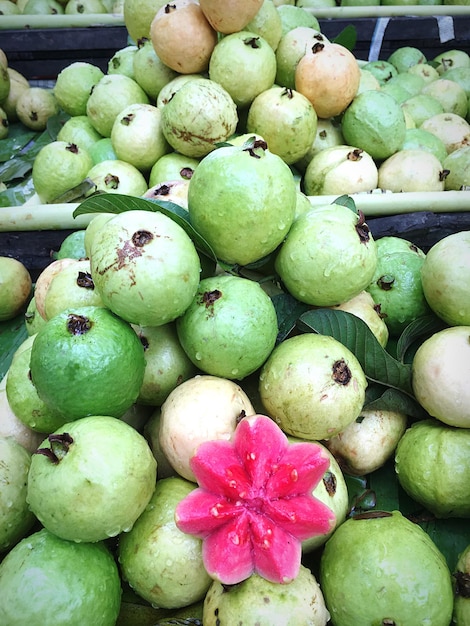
(431, 464)
(267, 23)
(374, 122)
(425, 70)
(73, 286)
(286, 120)
(340, 169)
(72, 246)
(16, 520)
(4, 81)
(53, 582)
(451, 59)
(381, 568)
(258, 207)
(200, 114)
(18, 83)
(32, 319)
(461, 75)
(4, 124)
(406, 56)
(439, 373)
(420, 139)
(182, 37)
(93, 352)
(58, 167)
(73, 85)
(116, 176)
(80, 131)
(200, 409)
(166, 363)
(230, 16)
(149, 70)
(172, 166)
(162, 564)
(122, 61)
(292, 47)
(15, 287)
(258, 602)
(328, 135)
(293, 16)
(145, 266)
(35, 106)
(452, 129)
(244, 64)
(230, 328)
(102, 150)
(96, 222)
(413, 84)
(381, 69)
(168, 91)
(396, 284)
(364, 307)
(108, 97)
(91, 479)
(368, 81)
(23, 397)
(138, 16)
(175, 191)
(312, 386)
(411, 170)
(446, 280)
(450, 94)
(329, 76)
(327, 257)
(461, 581)
(367, 443)
(457, 168)
(12, 427)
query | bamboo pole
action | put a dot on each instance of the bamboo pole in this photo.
(20, 22)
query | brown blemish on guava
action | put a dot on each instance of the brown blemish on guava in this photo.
(462, 584)
(378, 309)
(60, 444)
(85, 280)
(341, 372)
(362, 229)
(253, 42)
(128, 119)
(209, 298)
(5, 123)
(141, 238)
(329, 480)
(33, 116)
(144, 341)
(111, 181)
(78, 324)
(317, 47)
(257, 143)
(288, 92)
(186, 173)
(385, 282)
(169, 7)
(354, 155)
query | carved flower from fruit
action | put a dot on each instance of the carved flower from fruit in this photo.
(254, 504)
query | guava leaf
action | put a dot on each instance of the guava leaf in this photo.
(416, 332)
(75, 193)
(382, 398)
(119, 203)
(347, 37)
(353, 332)
(18, 194)
(346, 201)
(18, 138)
(288, 310)
(12, 334)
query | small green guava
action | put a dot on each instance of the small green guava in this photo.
(293, 16)
(117, 176)
(268, 24)
(172, 166)
(258, 207)
(72, 247)
(80, 131)
(122, 61)
(230, 328)
(162, 564)
(73, 85)
(327, 257)
(406, 56)
(457, 168)
(382, 70)
(15, 287)
(381, 568)
(91, 479)
(312, 386)
(149, 70)
(439, 375)
(47, 580)
(145, 267)
(445, 278)
(420, 139)
(432, 466)
(35, 106)
(12, 427)
(16, 519)
(298, 602)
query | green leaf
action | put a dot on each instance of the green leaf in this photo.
(119, 203)
(17, 194)
(347, 37)
(346, 201)
(382, 398)
(12, 334)
(416, 332)
(18, 137)
(288, 311)
(353, 332)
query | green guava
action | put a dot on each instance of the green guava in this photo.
(122, 61)
(439, 373)
(382, 70)
(35, 106)
(166, 363)
(91, 479)
(145, 267)
(230, 328)
(244, 64)
(102, 150)
(381, 568)
(457, 167)
(15, 287)
(293, 16)
(73, 85)
(172, 166)
(450, 94)
(312, 386)
(80, 131)
(258, 602)
(87, 361)
(268, 24)
(291, 49)
(72, 247)
(406, 56)
(420, 139)
(328, 256)
(162, 564)
(242, 201)
(16, 519)
(12, 427)
(431, 463)
(117, 176)
(32, 319)
(149, 70)
(446, 279)
(49, 581)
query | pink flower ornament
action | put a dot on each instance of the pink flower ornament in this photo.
(254, 504)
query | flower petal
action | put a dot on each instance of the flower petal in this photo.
(227, 552)
(218, 469)
(277, 553)
(301, 516)
(201, 512)
(300, 470)
(260, 444)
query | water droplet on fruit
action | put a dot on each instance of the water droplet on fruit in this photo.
(198, 356)
(234, 372)
(169, 563)
(281, 226)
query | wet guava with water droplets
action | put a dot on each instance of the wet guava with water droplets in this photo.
(49, 581)
(91, 479)
(230, 328)
(162, 564)
(242, 200)
(381, 568)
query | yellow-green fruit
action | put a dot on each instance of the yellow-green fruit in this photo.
(15, 287)
(79, 130)
(4, 82)
(35, 106)
(74, 84)
(138, 16)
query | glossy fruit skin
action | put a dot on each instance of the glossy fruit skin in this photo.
(80, 583)
(385, 568)
(431, 462)
(15, 287)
